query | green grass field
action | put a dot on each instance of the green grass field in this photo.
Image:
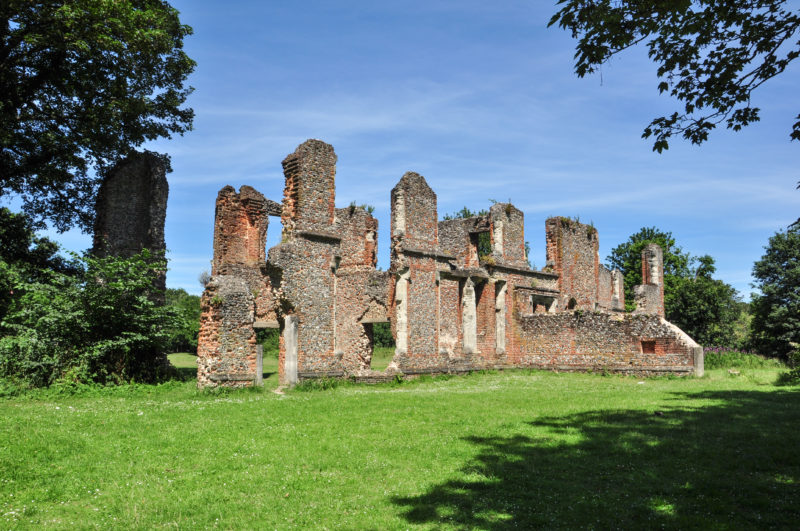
(492, 451)
(187, 363)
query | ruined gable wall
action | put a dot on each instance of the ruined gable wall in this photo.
(572, 251)
(586, 340)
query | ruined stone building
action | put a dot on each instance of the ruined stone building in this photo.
(453, 304)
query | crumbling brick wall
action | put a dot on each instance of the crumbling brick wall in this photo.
(360, 290)
(459, 237)
(585, 340)
(131, 207)
(309, 195)
(302, 267)
(605, 289)
(508, 235)
(240, 236)
(572, 252)
(226, 352)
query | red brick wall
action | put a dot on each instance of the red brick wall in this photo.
(584, 340)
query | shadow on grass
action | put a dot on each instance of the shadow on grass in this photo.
(735, 464)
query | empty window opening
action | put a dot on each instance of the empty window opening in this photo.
(648, 347)
(274, 233)
(572, 303)
(480, 245)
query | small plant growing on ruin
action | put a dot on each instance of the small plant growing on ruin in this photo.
(216, 301)
(353, 206)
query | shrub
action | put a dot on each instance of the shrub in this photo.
(101, 324)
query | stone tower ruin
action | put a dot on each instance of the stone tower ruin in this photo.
(131, 209)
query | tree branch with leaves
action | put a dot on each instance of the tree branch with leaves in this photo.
(711, 54)
(83, 83)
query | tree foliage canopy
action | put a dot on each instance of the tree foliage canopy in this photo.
(183, 337)
(25, 257)
(711, 54)
(776, 311)
(705, 308)
(99, 324)
(82, 83)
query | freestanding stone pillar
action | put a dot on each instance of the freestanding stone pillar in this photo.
(649, 296)
(131, 209)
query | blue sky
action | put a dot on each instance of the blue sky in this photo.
(481, 99)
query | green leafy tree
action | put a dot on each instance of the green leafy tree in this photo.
(382, 335)
(83, 82)
(184, 337)
(707, 309)
(627, 258)
(100, 325)
(776, 310)
(711, 54)
(25, 257)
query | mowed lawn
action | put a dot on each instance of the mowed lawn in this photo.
(493, 451)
